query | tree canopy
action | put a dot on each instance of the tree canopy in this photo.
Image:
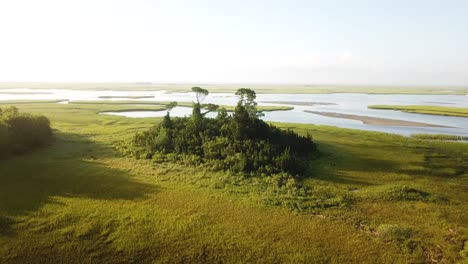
(200, 94)
(240, 143)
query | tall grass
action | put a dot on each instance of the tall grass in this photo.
(439, 137)
(393, 200)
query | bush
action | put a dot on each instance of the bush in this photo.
(21, 132)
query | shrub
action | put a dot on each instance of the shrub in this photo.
(21, 132)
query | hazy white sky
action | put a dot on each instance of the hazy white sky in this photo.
(393, 42)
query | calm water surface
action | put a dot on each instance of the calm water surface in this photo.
(345, 103)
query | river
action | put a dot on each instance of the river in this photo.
(344, 103)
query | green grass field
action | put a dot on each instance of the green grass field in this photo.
(377, 198)
(259, 88)
(424, 109)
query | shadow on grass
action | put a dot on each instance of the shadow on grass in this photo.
(68, 168)
(5, 226)
(336, 163)
(356, 163)
(437, 164)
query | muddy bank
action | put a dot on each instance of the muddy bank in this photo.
(368, 120)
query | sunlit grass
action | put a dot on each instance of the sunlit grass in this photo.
(440, 137)
(78, 201)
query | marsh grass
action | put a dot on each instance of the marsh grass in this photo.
(425, 109)
(228, 108)
(78, 201)
(440, 137)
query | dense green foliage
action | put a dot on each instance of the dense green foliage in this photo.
(20, 132)
(241, 143)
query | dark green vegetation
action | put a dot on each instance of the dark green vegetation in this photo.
(439, 137)
(372, 198)
(241, 143)
(229, 88)
(425, 109)
(22, 132)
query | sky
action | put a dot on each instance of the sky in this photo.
(359, 42)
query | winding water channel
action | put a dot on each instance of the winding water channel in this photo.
(342, 103)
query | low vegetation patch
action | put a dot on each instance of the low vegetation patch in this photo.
(464, 251)
(440, 137)
(425, 109)
(402, 193)
(20, 132)
(394, 233)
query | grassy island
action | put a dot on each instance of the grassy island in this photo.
(424, 109)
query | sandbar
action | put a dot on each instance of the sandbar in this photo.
(369, 120)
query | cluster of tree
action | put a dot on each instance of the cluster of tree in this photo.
(20, 132)
(239, 143)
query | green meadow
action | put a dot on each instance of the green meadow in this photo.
(371, 198)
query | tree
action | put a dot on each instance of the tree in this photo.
(167, 123)
(241, 123)
(247, 99)
(170, 106)
(200, 94)
(210, 108)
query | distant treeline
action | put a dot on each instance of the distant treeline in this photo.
(20, 132)
(238, 143)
